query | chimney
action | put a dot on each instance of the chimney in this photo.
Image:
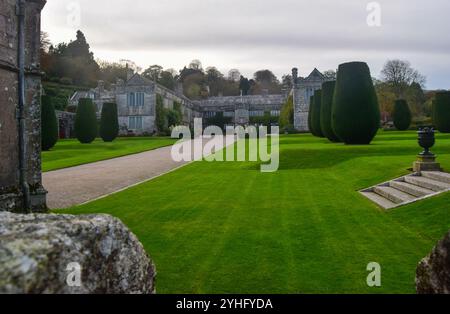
(130, 73)
(294, 76)
(101, 87)
(179, 88)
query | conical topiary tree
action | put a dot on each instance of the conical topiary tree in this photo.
(315, 118)
(325, 113)
(355, 113)
(441, 112)
(401, 115)
(311, 105)
(86, 121)
(109, 123)
(49, 124)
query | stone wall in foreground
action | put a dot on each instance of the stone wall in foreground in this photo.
(64, 254)
(10, 191)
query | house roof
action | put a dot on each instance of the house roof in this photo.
(239, 100)
(315, 75)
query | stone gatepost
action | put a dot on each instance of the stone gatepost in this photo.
(11, 196)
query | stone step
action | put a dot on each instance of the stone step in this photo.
(380, 200)
(427, 183)
(411, 188)
(393, 195)
(436, 175)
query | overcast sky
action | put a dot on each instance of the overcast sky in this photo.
(257, 34)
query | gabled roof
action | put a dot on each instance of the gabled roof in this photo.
(138, 80)
(315, 75)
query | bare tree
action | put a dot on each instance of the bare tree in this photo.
(400, 76)
(330, 75)
(196, 65)
(234, 75)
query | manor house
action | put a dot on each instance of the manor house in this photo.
(136, 102)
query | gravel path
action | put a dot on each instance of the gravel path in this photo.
(77, 185)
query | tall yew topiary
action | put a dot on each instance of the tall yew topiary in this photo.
(109, 123)
(325, 113)
(441, 112)
(311, 105)
(401, 115)
(86, 121)
(49, 124)
(355, 113)
(315, 117)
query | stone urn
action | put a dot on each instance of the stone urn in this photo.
(426, 160)
(426, 140)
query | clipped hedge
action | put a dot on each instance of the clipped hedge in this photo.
(315, 117)
(326, 109)
(86, 121)
(401, 115)
(49, 124)
(109, 123)
(441, 112)
(355, 113)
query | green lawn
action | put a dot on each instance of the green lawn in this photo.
(228, 228)
(69, 153)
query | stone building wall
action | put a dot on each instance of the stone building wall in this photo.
(302, 89)
(241, 107)
(10, 190)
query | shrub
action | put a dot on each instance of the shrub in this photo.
(355, 113)
(49, 124)
(315, 118)
(173, 118)
(289, 129)
(401, 115)
(287, 113)
(311, 105)
(86, 121)
(109, 123)
(162, 124)
(441, 112)
(326, 109)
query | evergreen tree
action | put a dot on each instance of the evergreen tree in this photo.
(441, 112)
(326, 109)
(316, 110)
(109, 123)
(287, 113)
(402, 115)
(355, 113)
(86, 121)
(311, 105)
(49, 124)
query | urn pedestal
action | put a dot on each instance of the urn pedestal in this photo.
(426, 161)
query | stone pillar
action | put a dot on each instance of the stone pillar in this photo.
(10, 190)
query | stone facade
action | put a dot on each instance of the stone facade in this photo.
(241, 108)
(140, 119)
(66, 124)
(137, 117)
(303, 89)
(11, 197)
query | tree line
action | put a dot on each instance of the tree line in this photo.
(74, 63)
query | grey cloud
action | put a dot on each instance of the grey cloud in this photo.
(229, 28)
